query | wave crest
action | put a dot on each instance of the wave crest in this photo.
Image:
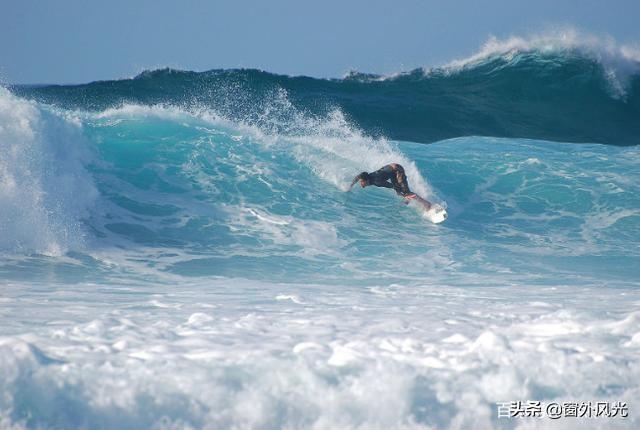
(619, 61)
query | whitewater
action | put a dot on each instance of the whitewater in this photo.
(180, 249)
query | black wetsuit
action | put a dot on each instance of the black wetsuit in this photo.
(381, 178)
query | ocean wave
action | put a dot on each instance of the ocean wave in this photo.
(563, 87)
(189, 191)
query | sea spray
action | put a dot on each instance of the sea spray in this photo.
(45, 190)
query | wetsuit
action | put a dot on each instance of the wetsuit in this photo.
(381, 178)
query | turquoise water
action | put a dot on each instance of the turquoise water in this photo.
(175, 264)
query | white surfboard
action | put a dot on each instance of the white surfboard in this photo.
(436, 214)
(431, 211)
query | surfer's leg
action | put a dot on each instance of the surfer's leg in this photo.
(400, 184)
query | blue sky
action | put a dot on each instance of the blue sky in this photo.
(71, 41)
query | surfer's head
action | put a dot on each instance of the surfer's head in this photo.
(363, 178)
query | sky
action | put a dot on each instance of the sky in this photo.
(75, 41)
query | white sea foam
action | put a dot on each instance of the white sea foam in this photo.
(239, 354)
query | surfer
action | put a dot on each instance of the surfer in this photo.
(390, 176)
(393, 176)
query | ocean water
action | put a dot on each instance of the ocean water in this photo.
(180, 249)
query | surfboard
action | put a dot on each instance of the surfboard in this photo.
(436, 214)
(431, 211)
